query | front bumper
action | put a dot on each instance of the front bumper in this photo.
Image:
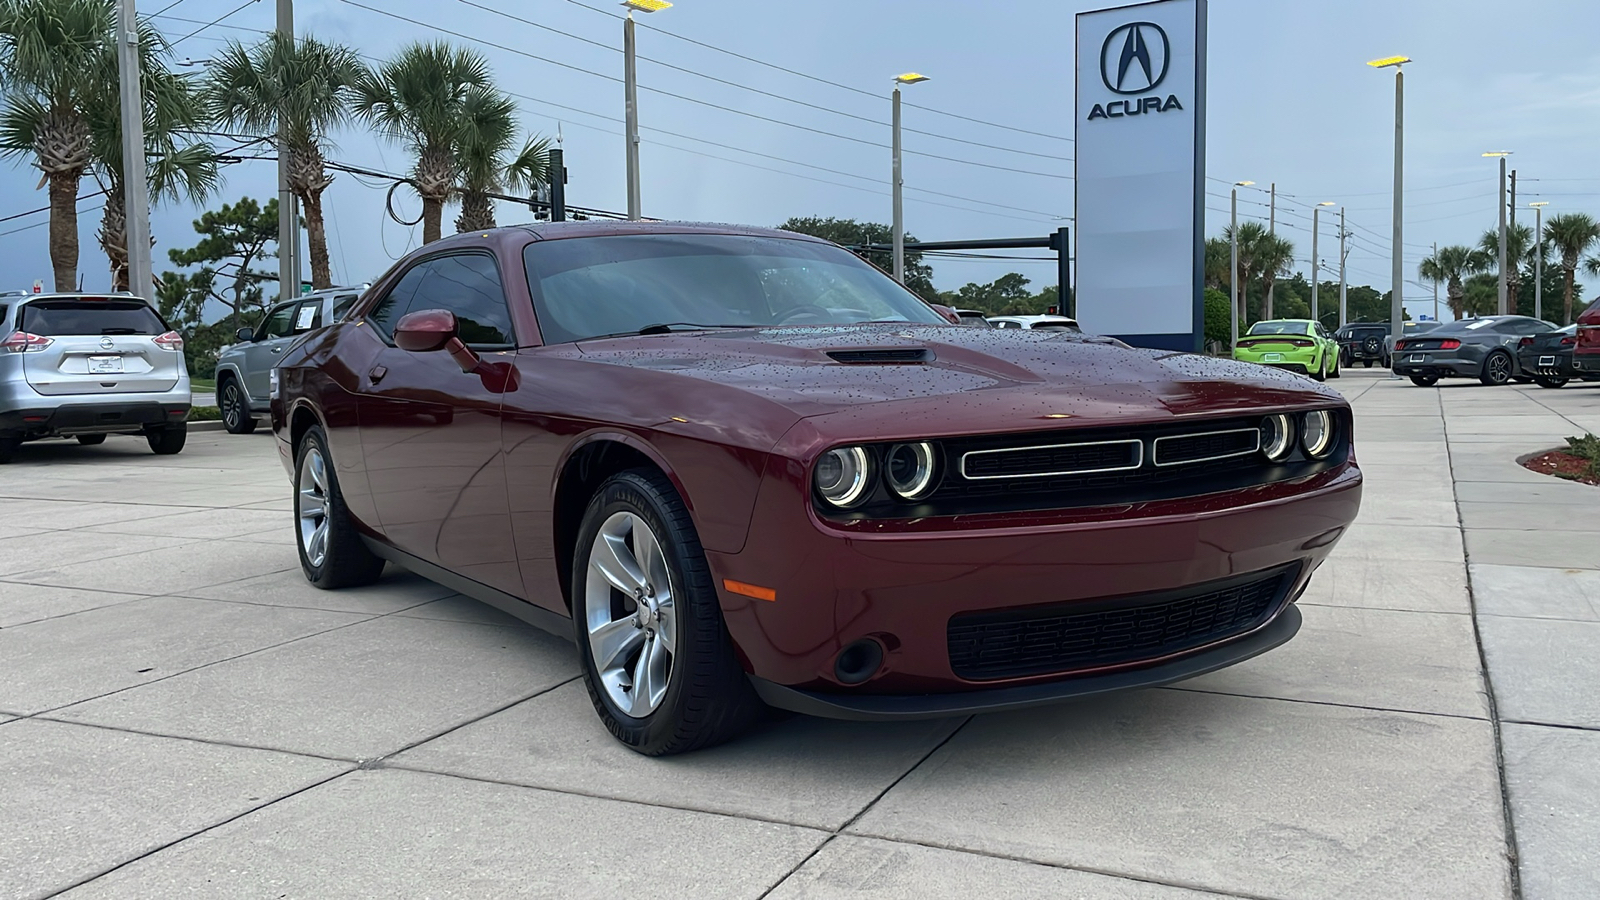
(905, 707)
(903, 587)
(93, 418)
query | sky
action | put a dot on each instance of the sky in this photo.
(728, 136)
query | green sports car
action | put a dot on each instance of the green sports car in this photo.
(1299, 345)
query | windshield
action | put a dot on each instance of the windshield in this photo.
(1278, 328)
(1419, 327)
(619, 284)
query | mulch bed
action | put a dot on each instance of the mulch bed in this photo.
(1562, 465)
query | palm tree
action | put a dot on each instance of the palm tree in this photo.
(1273, 255)
(1216, 264)
(1450, 266)
(302, 88)
(1519, 246)
(1251, 235)
(1571, 235)
(58, 56)
(485, 167)
(422, 99)
(178, 169)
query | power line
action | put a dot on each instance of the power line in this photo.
(754, 90)
(212, 22)
(845, 87)
(694, 100)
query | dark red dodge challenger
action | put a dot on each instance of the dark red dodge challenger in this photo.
(742, 466)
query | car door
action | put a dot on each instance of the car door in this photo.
(430, 433)
(271, 338)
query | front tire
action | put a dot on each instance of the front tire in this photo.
(1336, 363)
(235, 408)
(168, 439)
(1424, 380)
(656, 656)
(332, 554)
(1496, 369)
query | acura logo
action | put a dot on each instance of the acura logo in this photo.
(1134, 58)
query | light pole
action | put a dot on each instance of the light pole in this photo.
(1233, 264)
(1435, 284)
(1538, 257)
(136, 199)
(1272, 228)
(1501, 155)
(1316, 261)
(1397, 250)
(630, 89)
(899, 212)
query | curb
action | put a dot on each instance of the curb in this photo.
(209, 425)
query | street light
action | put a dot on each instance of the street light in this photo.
(1396, 251)
(1343, 255)
(1316, 261)
(899, 213)
(1501, 155)
(1233, 266)
(630, 82)
(1538, 258)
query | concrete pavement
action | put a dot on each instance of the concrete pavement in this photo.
(181, 715)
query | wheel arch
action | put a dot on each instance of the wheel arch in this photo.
(587, 463)
(301, 418)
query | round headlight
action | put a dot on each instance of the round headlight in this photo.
(1316, 434)
(1277, 437)
(842, 476)
(909, 470)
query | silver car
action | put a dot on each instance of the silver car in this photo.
(244, 370)
(90, 365)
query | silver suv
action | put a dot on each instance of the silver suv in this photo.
(89, 365)
(244, 370)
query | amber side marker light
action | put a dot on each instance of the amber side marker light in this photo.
(749, 590)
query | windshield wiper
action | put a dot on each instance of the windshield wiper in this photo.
(668, 327)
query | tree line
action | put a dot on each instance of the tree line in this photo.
(60, 112)
(1470, 275)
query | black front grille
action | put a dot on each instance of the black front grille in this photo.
(1094, 634)
(1063, 459)
(1188, 448)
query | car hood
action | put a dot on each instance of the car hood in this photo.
(816, 371)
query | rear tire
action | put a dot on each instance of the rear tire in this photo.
(1424, 380)
(235, 409)
(332, 554)
(706, 699)
(1497, 369)
(168, 439)
(8, 447)
(1546, 381)
(1336, 363)
(91, 440)
(1366, 363)
(1321, 374)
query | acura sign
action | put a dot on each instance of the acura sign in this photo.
(1140, 130)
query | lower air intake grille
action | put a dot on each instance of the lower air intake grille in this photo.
(1038, 641)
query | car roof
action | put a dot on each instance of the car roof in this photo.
(1299, 321)
(510, 238)
(84, 295)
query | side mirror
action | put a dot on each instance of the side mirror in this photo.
(425, 331)
(246, 335)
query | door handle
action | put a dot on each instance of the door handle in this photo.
(377, 374)
(277, 349)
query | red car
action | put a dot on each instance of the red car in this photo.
(1586, 355)
(743, 467)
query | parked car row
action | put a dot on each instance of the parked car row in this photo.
(244, 369)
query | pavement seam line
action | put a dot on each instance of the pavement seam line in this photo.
(194, 834)
(866, 808)
(1513, 857)
(382, 761)
(210, 742)
(1332, 703)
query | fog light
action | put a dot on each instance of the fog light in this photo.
(858, 662)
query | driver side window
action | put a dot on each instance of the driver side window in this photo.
(279, 322)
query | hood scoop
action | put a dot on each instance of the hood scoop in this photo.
(883, 356)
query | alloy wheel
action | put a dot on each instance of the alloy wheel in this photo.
(312, 508)
(232, 406)
(630, 618)
(1499, 368)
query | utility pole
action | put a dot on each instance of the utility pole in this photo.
(1272, 228)
(1316, 263)
(899, 226)
(1538, 258)
(1436, 285)
(630, 89)
(288, 214)
(1502, 260)
(1343, 255)
(136, 200)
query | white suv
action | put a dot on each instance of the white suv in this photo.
(244, 370)
(89, 365)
